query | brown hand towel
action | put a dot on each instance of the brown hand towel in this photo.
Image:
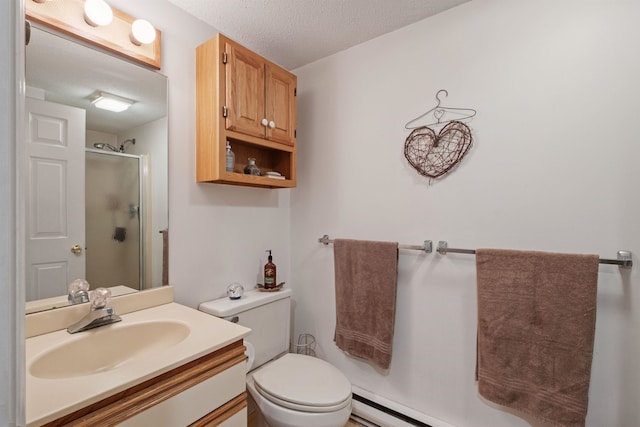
(536, 325)
(366, 274)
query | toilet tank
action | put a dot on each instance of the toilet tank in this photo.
(267, 314)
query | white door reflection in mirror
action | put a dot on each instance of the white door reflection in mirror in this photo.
(55, 217)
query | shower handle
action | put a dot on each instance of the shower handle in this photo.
(76, 249)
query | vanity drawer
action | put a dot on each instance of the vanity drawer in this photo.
(205, 392)
(237, 420)
(235, 416)
(198, 401)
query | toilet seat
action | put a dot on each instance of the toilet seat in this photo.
(303, 383)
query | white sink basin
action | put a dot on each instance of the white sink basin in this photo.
(68, 372)
(106, 348)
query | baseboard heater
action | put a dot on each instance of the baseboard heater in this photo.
(389, 411)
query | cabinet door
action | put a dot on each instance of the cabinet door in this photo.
(281, 105)
(244, 91)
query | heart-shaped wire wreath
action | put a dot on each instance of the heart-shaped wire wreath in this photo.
(434, 155)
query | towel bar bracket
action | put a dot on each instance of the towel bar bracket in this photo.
(443, 249)
(626, 258)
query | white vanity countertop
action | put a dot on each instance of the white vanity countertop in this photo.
(49, 399)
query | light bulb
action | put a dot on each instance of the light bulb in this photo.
(97, 13)
(142, 32)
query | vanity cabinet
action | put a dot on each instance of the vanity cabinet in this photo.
(250, 102)
(209, 391)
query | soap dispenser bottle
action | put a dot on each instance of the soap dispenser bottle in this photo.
(231, 158)
(269, 273)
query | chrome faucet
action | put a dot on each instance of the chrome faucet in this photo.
(99, 315)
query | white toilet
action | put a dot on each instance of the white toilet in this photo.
(290, 390)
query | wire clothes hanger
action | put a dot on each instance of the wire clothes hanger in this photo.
(439, 112)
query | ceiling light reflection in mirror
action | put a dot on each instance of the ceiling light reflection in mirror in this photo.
(111, 102)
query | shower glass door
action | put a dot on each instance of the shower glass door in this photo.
(113, 219)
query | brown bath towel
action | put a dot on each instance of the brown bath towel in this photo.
(165, 256)
(365, 279)
(536, 325)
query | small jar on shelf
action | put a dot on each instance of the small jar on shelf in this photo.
(251, 168)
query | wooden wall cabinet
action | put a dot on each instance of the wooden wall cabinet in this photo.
(207, 392)
(251, 102)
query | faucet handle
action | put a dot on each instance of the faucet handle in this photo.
(78, 291)
(99, 298)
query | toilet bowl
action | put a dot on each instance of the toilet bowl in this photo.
(290, 390)
(297, 390)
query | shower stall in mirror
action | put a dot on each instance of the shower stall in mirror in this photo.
(114, 218)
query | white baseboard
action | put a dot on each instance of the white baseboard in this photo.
(382, 419)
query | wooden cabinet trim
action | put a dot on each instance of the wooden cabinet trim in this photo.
(128, 403)
(223, 413)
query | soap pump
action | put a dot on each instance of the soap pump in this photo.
(231, 158)
(269, 273)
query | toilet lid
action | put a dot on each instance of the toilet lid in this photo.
(303, 383)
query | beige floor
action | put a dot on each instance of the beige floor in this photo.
(350, 423)
(353, 423)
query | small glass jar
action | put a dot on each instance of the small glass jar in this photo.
(235, 291)
(251, 168)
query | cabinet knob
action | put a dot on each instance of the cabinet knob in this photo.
(272, 124)
(264, 122)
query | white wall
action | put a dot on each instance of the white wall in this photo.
(218, 234)
(554, 167)
(97, 137)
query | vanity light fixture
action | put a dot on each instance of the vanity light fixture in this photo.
(97, 23)
(142, 32)
(110, 102)
(97, 13)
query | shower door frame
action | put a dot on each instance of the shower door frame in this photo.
(142, 170)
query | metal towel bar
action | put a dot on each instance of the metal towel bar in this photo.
(624, 260)
(427, 247)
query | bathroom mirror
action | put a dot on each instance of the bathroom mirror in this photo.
(100, 211)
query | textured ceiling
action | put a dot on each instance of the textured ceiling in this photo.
(293, 33)
(70, 73)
